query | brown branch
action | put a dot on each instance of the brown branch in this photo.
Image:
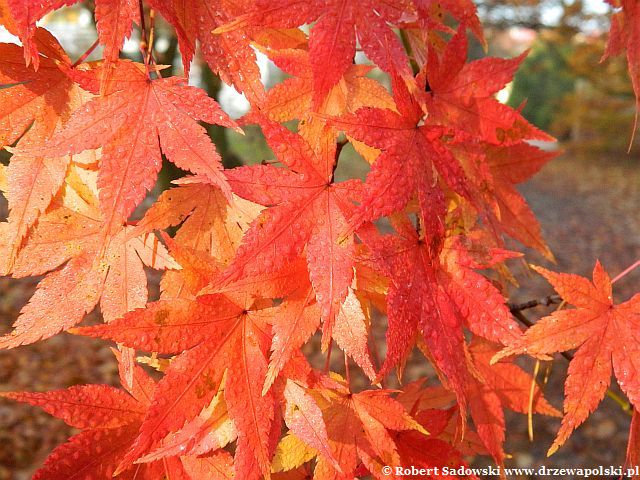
(143, 28)
(327, 363)
(546, 301)
(152, 27)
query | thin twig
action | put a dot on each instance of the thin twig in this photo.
(152, 24)
(347, 374)
(532, 391)
(84, 56)
(144, 44)
(143, 28)
(327, 362)
(152, 28)
(625, 271)
(546, 301)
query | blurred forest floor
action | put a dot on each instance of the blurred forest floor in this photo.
(588, 210)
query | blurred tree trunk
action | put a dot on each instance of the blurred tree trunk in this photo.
(213, 85)
(169, 171)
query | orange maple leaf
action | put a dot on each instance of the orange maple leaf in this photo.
(604, 334)
(131, 122)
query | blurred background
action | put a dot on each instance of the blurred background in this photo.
(586, 201)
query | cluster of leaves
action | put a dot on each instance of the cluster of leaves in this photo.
(264, 257)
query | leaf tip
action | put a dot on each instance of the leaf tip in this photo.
(538, 269)
(268, 382)
(497, 357)
(421, 429)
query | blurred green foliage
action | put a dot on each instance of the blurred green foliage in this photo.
(543, 80)
(587, 105)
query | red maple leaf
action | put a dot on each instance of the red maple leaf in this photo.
(332, 41)
(434, 291)
(86, 261)
(306, 212)
(216, 333)
(360, 427)
(114, 22)
(292, 98)
(508, 381)
(462, 95)
(228, 338)
(416, 302)
(109, 419)
(412, 156)
(431, 16)
(604, 334)
(33, 107)
(495, 171)
(431, 407)
(132, 122)
(492, 388)
(41, 40)
(263, 256)
(624, 35)
(229, 54)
